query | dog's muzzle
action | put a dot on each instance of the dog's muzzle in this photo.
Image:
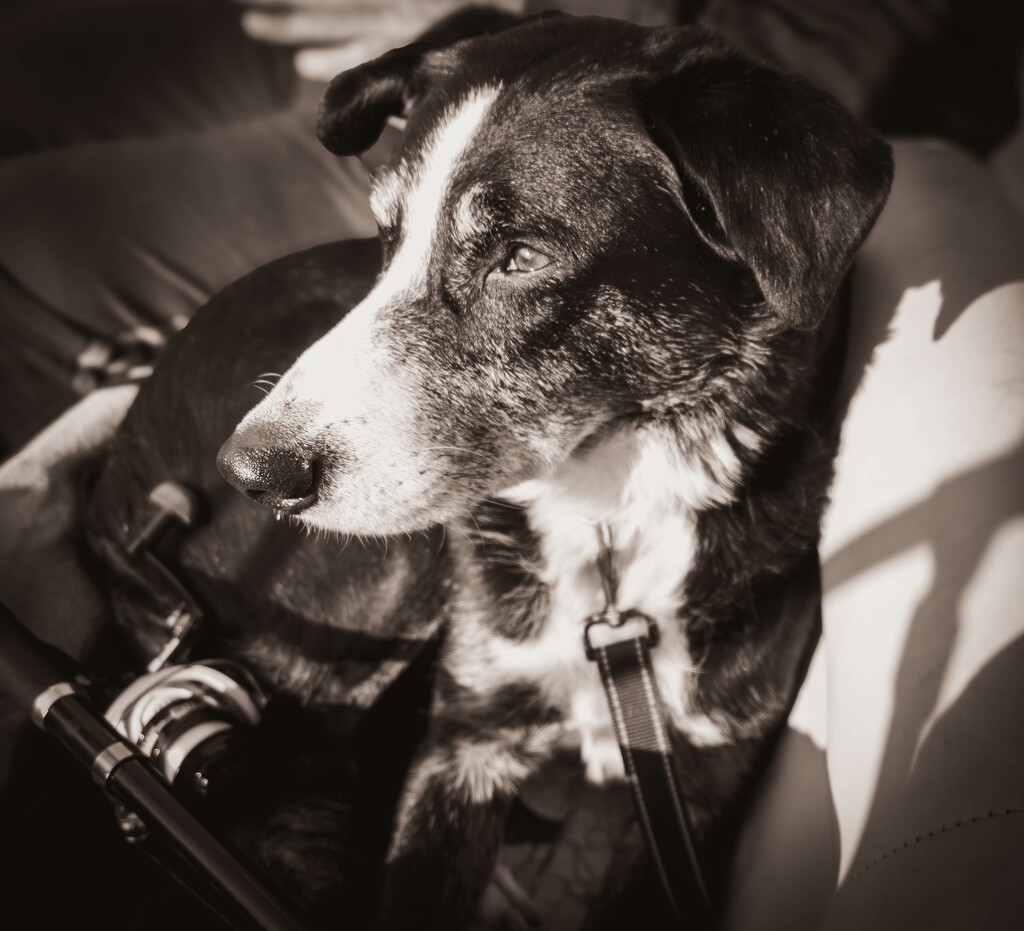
(275, 476)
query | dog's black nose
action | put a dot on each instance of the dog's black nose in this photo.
(275, 476)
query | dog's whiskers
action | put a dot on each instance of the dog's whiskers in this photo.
(264, 383)
(502, 502)
(459, 449)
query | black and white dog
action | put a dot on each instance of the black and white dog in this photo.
(609, 253)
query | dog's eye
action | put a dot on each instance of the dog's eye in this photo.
(525, 259)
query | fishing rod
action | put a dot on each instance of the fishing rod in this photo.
(51, 688)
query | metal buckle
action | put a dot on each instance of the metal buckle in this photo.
(624, 626)
(611, 616)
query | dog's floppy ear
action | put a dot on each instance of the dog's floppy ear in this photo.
(357, 103)
(775, 173)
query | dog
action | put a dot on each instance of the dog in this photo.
(612, 256)
(611, 262)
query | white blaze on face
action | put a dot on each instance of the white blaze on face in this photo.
(431, 178)
(347, 392)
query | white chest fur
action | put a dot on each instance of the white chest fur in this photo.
(651, 565)
(637, 485)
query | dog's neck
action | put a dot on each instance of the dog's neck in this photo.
(646, 485)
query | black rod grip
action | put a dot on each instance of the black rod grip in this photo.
(134, 784)
(28, 668)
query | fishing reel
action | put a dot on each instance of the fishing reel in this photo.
(187, 720)
(190, 718)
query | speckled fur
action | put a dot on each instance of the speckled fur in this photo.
(659, 374)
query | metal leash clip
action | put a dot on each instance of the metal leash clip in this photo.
(630, 625)
(612, 625)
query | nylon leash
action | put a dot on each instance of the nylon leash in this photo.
(620, 642)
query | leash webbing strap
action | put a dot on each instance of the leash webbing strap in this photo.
(620, 643)
(622, 652)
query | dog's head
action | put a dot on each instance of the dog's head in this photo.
(588, 224)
